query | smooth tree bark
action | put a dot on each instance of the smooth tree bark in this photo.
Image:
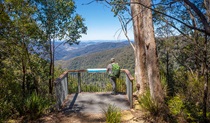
(206, 77)
(146, 48)
(140, 55)
(152, 64)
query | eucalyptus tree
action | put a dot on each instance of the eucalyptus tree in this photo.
(59, 22)
(146, 61)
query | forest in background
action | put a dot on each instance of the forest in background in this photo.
(66, 52)
(124, 57)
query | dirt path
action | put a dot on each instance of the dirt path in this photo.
(73, 118)
(128, 116)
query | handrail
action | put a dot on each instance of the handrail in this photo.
(123, 70)
(77, 70)
(128, 74)
(61, 76)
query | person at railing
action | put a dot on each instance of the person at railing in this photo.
(113, 67)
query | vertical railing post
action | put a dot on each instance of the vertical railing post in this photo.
(129, 89)
(79, 82)
(57, 92)
(65, 85)
(61, 89)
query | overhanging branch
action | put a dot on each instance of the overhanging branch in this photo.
(206, 29)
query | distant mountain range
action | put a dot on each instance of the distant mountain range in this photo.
(66, 52)
(97, 55)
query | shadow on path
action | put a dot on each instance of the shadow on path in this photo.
(86, 102)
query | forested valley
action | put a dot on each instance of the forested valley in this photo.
(124, 57)
(29, 29)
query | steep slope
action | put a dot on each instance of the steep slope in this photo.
(124, 56)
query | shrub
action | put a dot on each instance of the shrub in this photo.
(112, 114)
(35, 105)
(175, 105)
(148, 104)
(5, 110)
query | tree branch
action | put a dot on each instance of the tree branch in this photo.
(125, 31)
(189, 26)
(206, 29)
(200, 15)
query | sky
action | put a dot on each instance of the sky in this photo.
(100, 21)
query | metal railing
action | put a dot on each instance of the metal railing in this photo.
(76, 81)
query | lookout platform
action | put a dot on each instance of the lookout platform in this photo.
(86, 102)
(74, 92)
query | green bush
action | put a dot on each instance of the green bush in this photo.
(112, 114)
(72, 85)
(5, 110)
(121, 85)
(36, 105)
(175, 105)
(148, 104)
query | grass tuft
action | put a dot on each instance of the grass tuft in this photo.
(112, 114)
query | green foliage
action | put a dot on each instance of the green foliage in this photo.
(91, 88)
(119, 6)
(148, 104)
(176, 105)
(31, 106)
(36, 105)
(72, 85)
(98, 82)
(121, 84)
(60, 20)
(5, 110)
(124, 57)
(26, 26)
(112, 114)
(188, 102)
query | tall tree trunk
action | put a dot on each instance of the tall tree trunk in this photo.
(53, 61)
(23, 69)
(152, 64)
(51, 68)
(205, 96)
(24, 76)
(169, 82)
(140, 56)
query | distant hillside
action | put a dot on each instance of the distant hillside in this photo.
(66, 52)
(124, 56)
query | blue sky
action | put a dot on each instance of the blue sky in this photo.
(101, 23)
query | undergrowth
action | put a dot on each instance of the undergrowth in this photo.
(148, 104)
(112, 114)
